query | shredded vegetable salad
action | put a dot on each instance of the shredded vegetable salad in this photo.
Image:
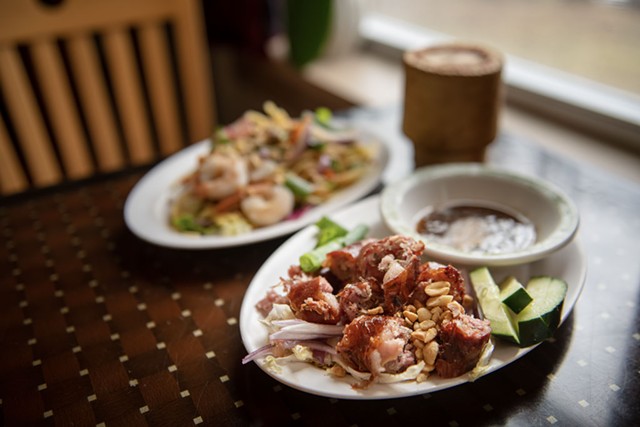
(267, 167)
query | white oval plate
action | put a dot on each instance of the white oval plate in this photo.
(146, 211)
(568, 264)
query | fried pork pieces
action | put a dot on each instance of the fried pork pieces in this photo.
(396, 310)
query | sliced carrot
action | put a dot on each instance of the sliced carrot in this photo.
(230, 202)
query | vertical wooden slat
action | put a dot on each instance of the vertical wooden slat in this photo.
(28, 122)
(78, 23)
(60, 106)
(12, 177)
(93, 92)
(195, 70)
(157, 70)
(128, 94)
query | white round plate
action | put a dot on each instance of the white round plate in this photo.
(568, 263)
(146, 211)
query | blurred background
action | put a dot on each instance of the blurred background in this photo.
(570, 63)
(572, 70)
(595, 40)
(251, 59)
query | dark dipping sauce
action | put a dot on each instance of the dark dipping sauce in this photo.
(477, 229)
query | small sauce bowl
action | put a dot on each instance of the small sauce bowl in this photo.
(480, 215)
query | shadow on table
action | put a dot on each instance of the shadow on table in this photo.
(149, 262)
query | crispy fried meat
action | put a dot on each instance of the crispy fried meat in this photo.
(313, 300)
(376, 344)
(461, 342)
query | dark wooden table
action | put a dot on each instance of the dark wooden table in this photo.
(100, 328)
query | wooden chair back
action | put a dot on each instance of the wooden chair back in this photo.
(95, 86)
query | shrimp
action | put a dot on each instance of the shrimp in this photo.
(221, 175)
(262, 169)
(268, 204)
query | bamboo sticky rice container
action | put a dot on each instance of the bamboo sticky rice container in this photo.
(452, 102)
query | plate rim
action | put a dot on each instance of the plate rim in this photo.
(247, 312)
(147, 196)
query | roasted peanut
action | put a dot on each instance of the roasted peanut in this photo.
(437, 288)
(435, 314)
(430, 334)
(410, 315)
(430, 352)
(439, 301)
(455, 308)
(374, 311)
(419, 335)
(426, 324)
(423, 314)
(337, 371)
(419, 354)
(428, 368)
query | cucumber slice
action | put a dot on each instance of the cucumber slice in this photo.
(514, 295)
(488, 294)
(299, 186)
(540, 319)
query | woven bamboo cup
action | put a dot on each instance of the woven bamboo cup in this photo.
(452, 102)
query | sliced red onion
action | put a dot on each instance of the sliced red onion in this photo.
(287, 322)
(324, 162)
(293, 328)
(286, 334)
(319, 349)
(299, 212)
(257, 353)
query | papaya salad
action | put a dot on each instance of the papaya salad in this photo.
(373, 310)
(267, 167)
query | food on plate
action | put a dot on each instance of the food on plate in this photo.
(540, 319)
(523, 315)
(376, 344)
(265, 168)
(514, 295)
(497, 313)
(374, 310)
(331, 237)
